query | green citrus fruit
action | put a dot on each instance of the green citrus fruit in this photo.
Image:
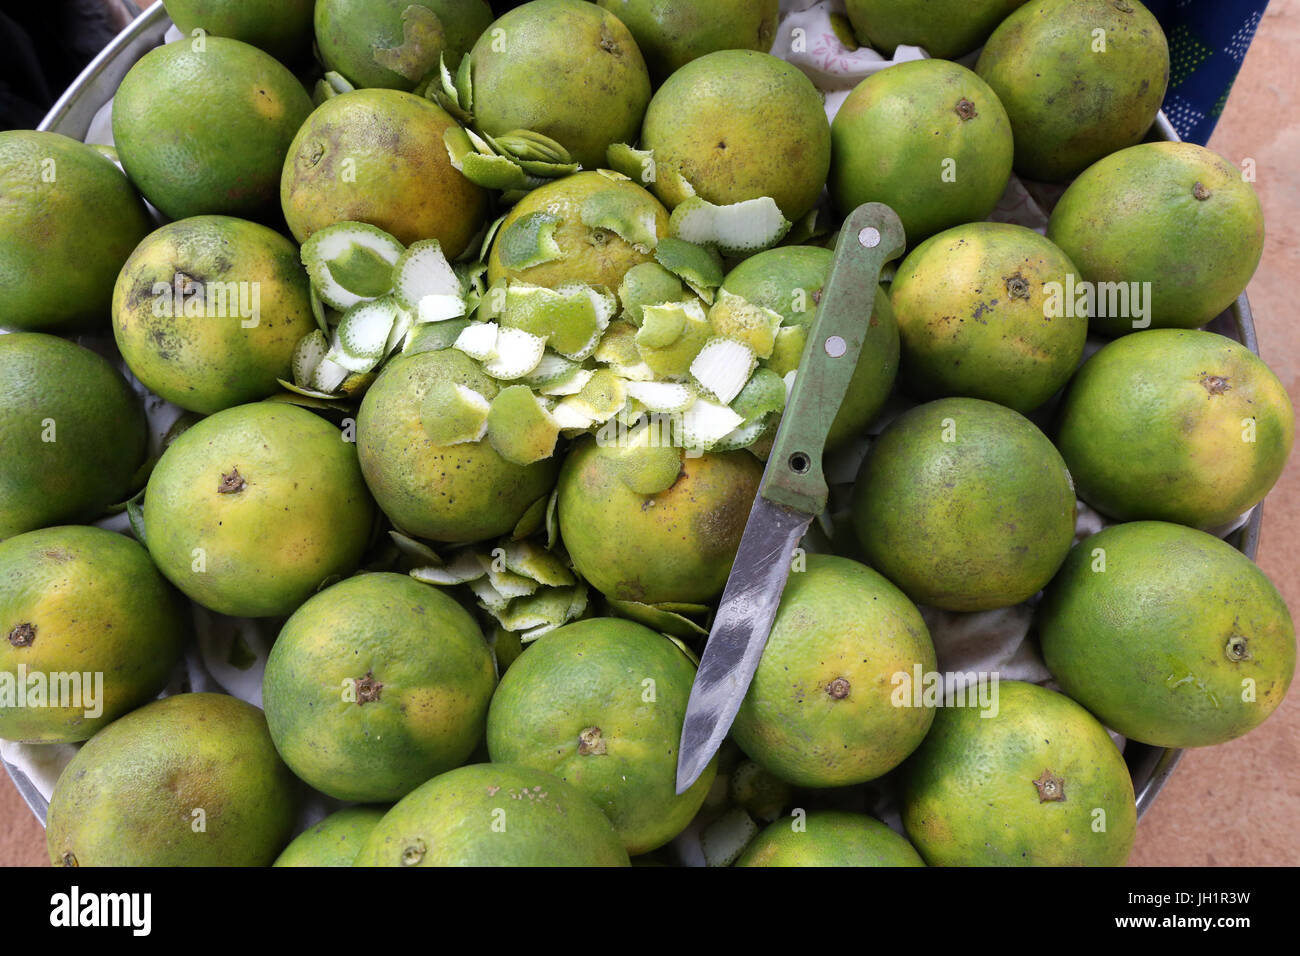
(1169, 635)
(202, 126)
(676, 546)
(280, 27)
(335, 841)
(578, 210)
(600, 704)
(68, 220)
(1174, 216)
(252, 509)
(73, 433)
(790, 280)
(671, 34)
(821, 710)
(207, 312)
(378, 156)
(927, 138)
(739, 125)
(830, 838)
(1039, 783)
(1079, 79)
(494, 815)
(189, 780)
(1175, 425)
(375, 685)
(453, 493)
(974, 311)
(965, 505)
(948, 29)
(87, 609)
(563, 68)
(396, 43)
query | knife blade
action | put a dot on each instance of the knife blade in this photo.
(793, 489)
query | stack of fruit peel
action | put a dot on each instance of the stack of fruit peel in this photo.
(669, 360)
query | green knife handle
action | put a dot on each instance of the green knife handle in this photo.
(872, 235)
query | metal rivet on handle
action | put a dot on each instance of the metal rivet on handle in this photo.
(836, 346)
(869, 237)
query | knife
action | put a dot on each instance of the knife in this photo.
(793, 489)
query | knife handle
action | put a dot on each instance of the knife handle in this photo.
(872, 235)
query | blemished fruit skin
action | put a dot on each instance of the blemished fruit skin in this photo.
(671, 33)
(740, 125)
(375, 685)
(677, 546)
(600, 704)
(593, 256)
(252, 509)
(778, 279)
(84, 601)
(821, 709)
(494, 815)
(281, 28)
(335, 841)
(73, 433)
(1072, 101)
(68, 220)
(972, 305)
(207, 312)
(1175, 215)
(947, 29)
(1040, 783)
(830, 838)
(1175, 425)
(566, 69)
(378, 156)
(202, 126)
(136, 793)
(1169, 635)
(927, 138)
(452, 493)
(396, 43)
(965, 505)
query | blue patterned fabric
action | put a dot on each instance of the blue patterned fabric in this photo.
(1208, 40)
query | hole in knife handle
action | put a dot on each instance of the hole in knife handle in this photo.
(800, 463)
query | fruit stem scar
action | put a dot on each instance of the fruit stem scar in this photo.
(1051, 788)
(231, 483)
(838, 688)
(368, 689)
(413, 854)
(1017, 287)
(1200, 192)
(1236, 649)
(69, 859)
(1215, 384)
(23, 635)
(1123, 6)
(965, 109)
(590, 743)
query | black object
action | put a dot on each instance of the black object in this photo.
(44, 44)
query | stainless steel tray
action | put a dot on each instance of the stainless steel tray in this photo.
(1150, 767)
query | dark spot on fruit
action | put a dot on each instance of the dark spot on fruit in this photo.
(23, 635)
(590, 743)
(368, 689)
(1017, 287)
(231, 483)
(1215, 384)
(1051, 788)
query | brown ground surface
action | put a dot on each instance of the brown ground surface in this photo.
(1237, 804)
